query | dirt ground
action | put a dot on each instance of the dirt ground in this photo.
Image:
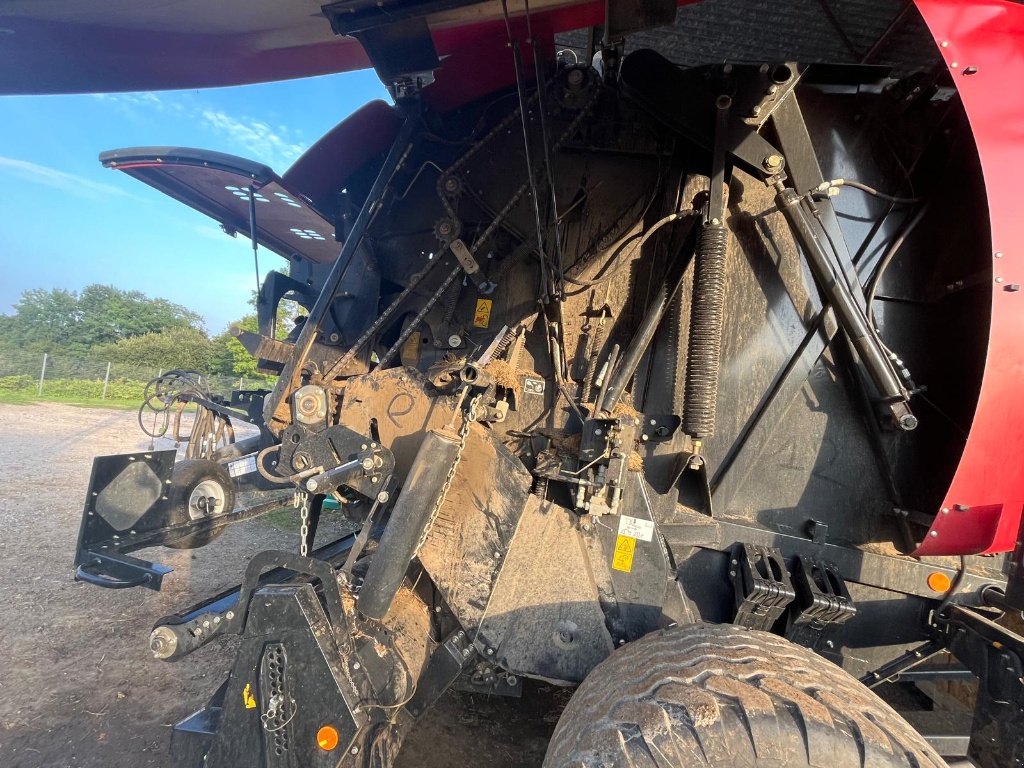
(78, 686)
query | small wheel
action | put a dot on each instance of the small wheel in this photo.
(705, 695)
(200, 488)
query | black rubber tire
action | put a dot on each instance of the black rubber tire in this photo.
(186, 477)
(707, 695)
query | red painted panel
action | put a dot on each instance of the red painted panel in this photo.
(982, 42)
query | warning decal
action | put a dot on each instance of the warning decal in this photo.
(482, 318)
(622, 560)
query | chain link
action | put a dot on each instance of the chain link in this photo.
(300, 500)
(463, 434)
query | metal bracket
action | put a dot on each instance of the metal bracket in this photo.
(762, 586)
(822, 600)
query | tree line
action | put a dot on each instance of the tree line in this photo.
(105, 323)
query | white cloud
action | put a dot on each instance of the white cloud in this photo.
(62, 180)
(277, 148)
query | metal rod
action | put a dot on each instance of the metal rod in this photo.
(106, 381)
(42, 375)
(606, 374)
(399, 151)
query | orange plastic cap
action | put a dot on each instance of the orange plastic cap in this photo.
(327, 738)
(938, 581)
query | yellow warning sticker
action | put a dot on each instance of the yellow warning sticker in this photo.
(622, 560)
(482, 318)
(247, 697)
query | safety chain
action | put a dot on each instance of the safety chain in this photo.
(300, 501)
(463, 433)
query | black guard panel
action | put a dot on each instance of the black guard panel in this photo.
(219, 185)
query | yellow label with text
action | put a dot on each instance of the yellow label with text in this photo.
(247, 697)
(622, 560)
(482, 318)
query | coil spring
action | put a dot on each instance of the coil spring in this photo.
(704, 352)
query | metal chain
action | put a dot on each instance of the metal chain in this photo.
(300, 500)
(463, 433)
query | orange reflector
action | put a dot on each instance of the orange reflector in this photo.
(938, 581)
(327, 738)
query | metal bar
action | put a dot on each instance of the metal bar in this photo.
(106, 381)
(898, 574)
(229, 598)
(399, 151)
(42, 375)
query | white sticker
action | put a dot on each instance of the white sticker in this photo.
(533, 386)
(636, 527)
(242, 466)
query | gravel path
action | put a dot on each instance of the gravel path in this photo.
(78, 686)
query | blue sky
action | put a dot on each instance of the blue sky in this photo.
(66, 222)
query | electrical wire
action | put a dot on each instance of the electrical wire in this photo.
(954, 587)
(644, 237)
(834, 183)
(886, 260)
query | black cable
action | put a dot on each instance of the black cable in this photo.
(887, 258)
(954, 587)
(644, 237)
(875, 193)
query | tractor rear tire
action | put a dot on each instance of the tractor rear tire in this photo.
(193, 483)
(725, 696)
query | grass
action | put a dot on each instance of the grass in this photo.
(31, 398)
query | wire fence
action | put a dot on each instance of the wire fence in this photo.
(63, 377)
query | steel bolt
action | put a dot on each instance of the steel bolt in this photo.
(908, 421)
(451, 184)
(773, 162)
(490, 651)
(999, 279)
(230, 615)
(454, 340)
(383, 497)
(934, 534)
(311, 485)
(356, 665)
(163, 643)
(354, 750)
(367, 464)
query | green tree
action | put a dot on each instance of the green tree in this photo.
(229, 356)
(57, 319)
(45, 318)
(173, 348)
(109, 314)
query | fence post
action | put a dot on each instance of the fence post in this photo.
(241, 382)
(42, 375)
(106, 380)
